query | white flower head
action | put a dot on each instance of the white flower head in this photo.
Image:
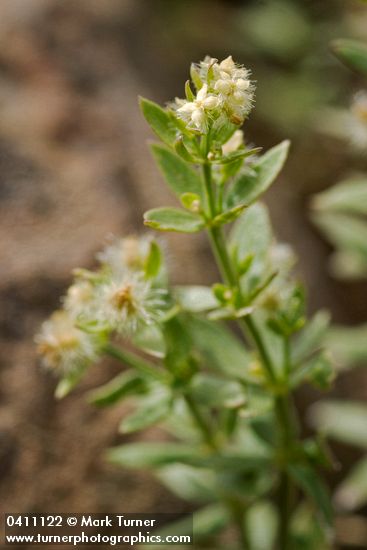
(235, 89)
(128, 301)
(357, 127)
(128, 253)
(79, 301)
(196, 113)
(63, 347)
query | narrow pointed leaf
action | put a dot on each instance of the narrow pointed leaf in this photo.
(152, 455)
(313, 486)
(123, 385)
(353, 53)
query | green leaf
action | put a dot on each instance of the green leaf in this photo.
(353, 53)
(252, 236)
(348, 345)
(311, 337)
(125, 384)
(182, 150)
(149, 338)
(188, 91)
(191, 201)
(152, 455)
(220, 348)
(195, 298)
(212, 391)
(173, 219)
(318, 370)
(342, 420)
(210, 520)
(347, 196)
(195, 77)
(149, 411)
(352, 493)
(249, 186)
(159, 120)
(153, 261)
(343, 230)
(68, 383)
(180, 177)
(261, 523)
(189, 483)
(312, 485)
(228, 216)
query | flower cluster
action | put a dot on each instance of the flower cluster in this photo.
(118, 297)
(224, 92)
(63, 347)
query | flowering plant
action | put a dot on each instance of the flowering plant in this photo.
(225, 396)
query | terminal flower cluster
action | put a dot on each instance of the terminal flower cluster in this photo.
(224, 92)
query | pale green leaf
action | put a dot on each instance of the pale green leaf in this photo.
(159, 120)
(251, 235)
(352, 493)
(153, 455)
(221, 349)
(250, 185)
(125, 384)
(173, 219)
(195, 298)
(212, 391)
(261, 524)
(149, 412)
(149, 338)
(342, 420)
(189, 483)
(311, 337)
(347, 196)
(348, 345)
(180, 177)
(344, 231)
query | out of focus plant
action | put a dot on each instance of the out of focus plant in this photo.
(340, 213)
(225, 397)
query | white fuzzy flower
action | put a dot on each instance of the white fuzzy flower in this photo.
(63, 347)
(127, 301)
(128, 253)
(79, 301)
(234, 88)
(357, 124)
(196, 113)
(234, 142)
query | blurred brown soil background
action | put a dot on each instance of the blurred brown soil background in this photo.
(74, 168)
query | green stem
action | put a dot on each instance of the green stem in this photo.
(283, 407)
(285, 510)
(209, 189)
(133, 360)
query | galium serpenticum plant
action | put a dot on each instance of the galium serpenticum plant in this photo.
(224, 395)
